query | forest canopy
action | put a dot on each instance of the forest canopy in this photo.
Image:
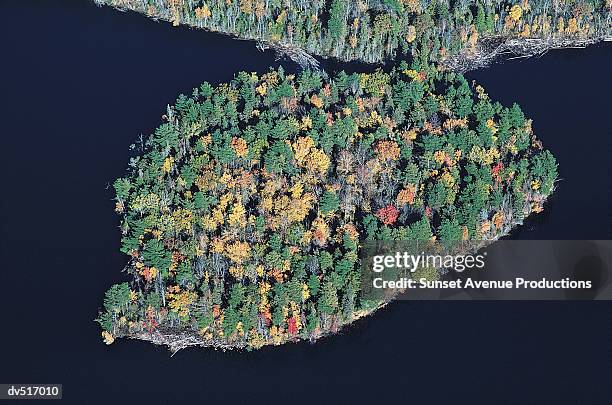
(379, 30)
(243, 213)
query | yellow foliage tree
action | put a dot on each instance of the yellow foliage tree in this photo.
(387, 150)
(410, 33)
(320, 231)
(516, 12)
(301, 148)
(238, 252)
(202, 12)
(498, 220)
(316, 101)
(179, 301)
(240, 147)
(168, 164)
(406, 196)
(318, 161)
(238, 215)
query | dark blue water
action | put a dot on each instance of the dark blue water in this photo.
(78, 84)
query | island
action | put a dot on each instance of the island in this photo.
(244, 212)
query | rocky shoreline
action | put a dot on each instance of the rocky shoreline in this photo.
(491, 49)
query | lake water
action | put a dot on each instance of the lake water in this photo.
(79, 83)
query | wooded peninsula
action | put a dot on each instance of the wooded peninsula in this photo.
(459, 34)
(244, 213)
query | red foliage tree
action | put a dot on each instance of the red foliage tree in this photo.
(150, 323)
(292, 326)
(496, 171)
(388, 215)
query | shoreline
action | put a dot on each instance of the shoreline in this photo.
(176, 339)
(494, 48)
(487, 51)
